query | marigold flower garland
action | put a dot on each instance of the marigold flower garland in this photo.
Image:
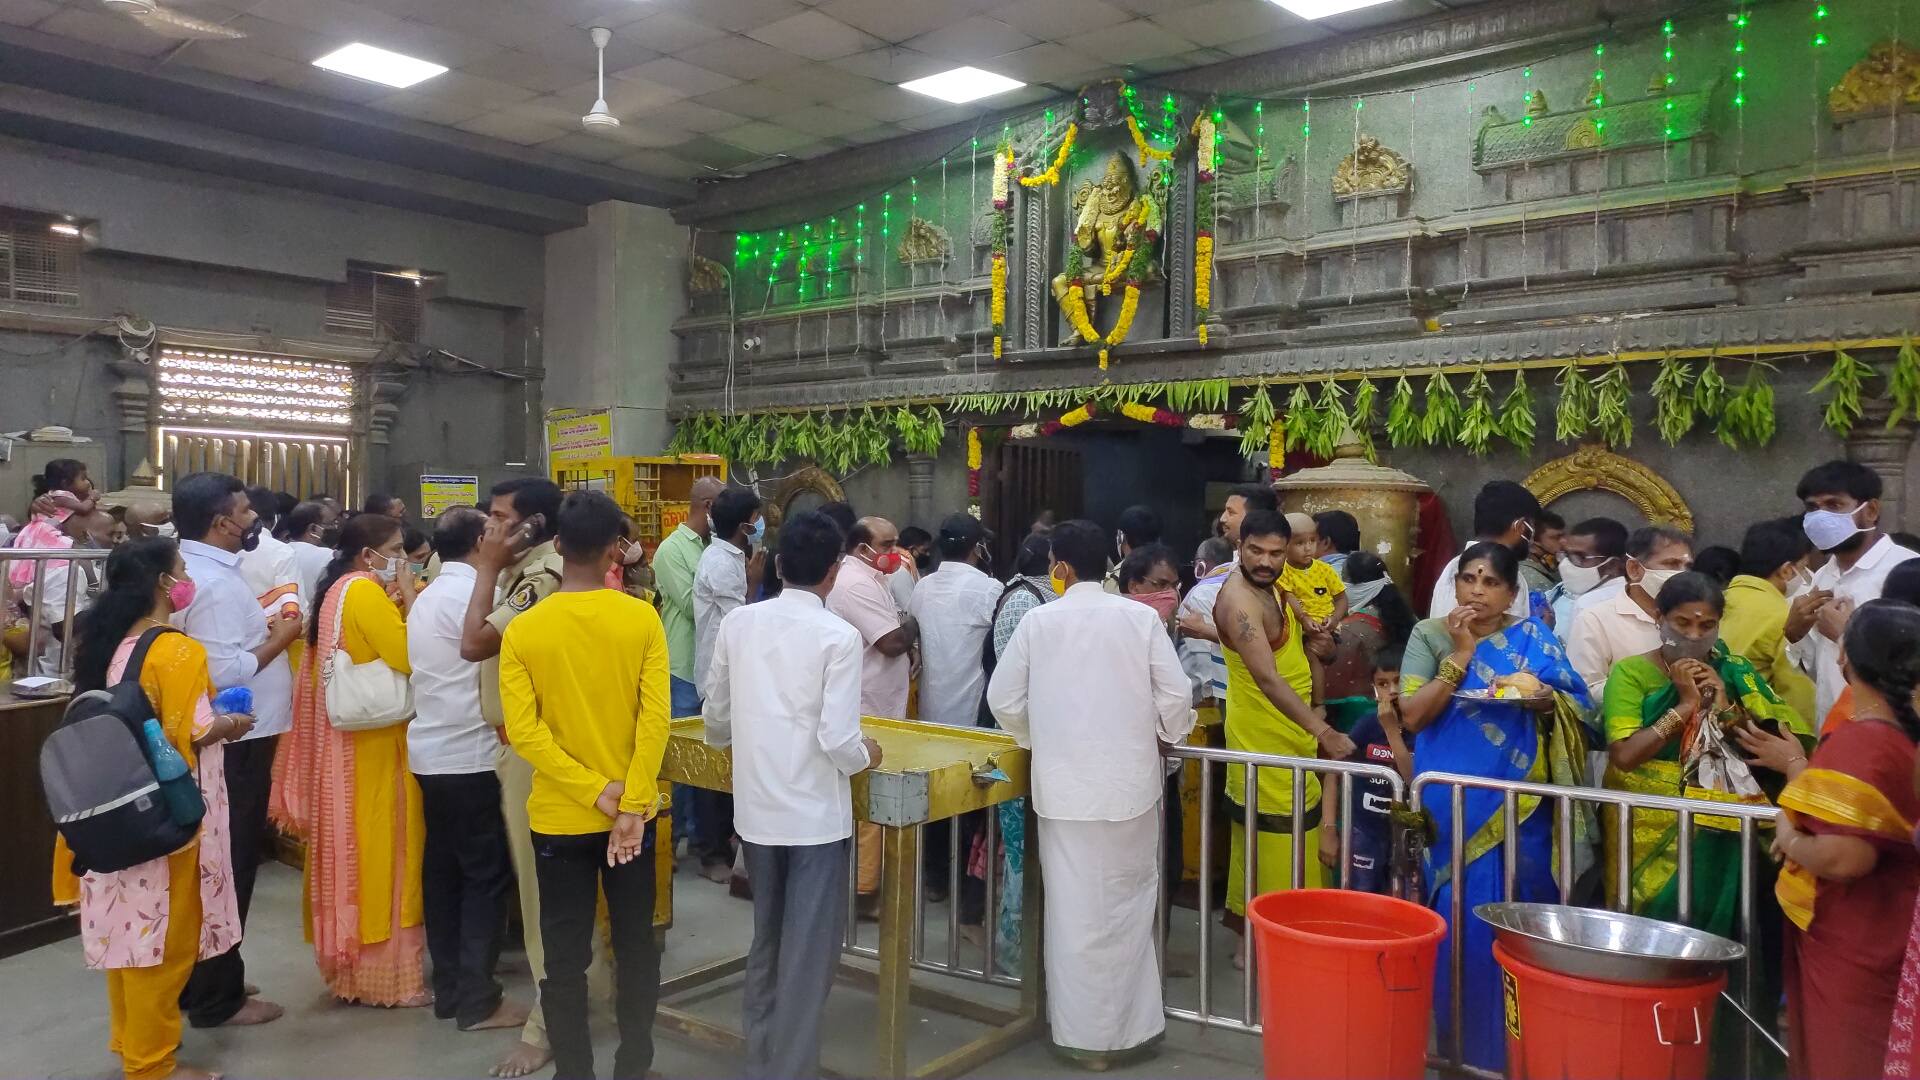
(1204, 134)
(1276, 449)
(1203, 281)
(1052, 175)
(1147, 152)
(1002, 201)
(973, 462)
(1002, 169)
(999, 307)
(1124, 323)
(1147, 414)
(1074, 304)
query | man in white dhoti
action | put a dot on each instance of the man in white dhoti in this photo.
(1092, 685)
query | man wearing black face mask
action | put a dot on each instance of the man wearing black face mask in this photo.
(1842, 501)
(245, 647)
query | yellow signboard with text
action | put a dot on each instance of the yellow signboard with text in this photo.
(575, 435)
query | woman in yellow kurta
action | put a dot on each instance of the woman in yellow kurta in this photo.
(349, 795)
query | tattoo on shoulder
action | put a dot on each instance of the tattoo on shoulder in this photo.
(1245, 627)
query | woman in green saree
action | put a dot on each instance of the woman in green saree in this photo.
(1667, 715)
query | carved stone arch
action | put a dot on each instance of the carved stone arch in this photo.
(1593, 468)
(810, 479)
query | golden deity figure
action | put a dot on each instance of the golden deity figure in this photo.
(1115, 230)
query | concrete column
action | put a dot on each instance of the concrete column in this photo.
(920, 490)
(1885, 452)
(614, 288)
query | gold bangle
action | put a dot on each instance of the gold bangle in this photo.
(1669, 723)
(1451, 672)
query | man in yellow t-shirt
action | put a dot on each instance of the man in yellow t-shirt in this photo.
(583, 683)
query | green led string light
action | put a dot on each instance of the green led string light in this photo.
(1599, 74)
(1259, 130)
(1306, 111)
(1666, 78)
(1740, 60)
(860, 231)
(1820, 25)
(1526, 80)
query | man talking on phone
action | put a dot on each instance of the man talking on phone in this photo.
(515, 567)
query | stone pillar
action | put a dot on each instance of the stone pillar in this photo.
(133, 394)
(1886, 453)
(920, 490)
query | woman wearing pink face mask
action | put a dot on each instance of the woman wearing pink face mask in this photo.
(1150, 575)
(630, 573)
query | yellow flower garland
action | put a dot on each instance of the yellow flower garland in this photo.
(1147, 153)
(1052, 175)
(1075, 306)
(1133, 410)
(1128, 307)
(999, 300)
(1203, 278)
(1078, 416)
(973, 448)
(1277, 447)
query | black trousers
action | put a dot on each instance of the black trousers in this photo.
(571, 871)
(936, 844)
(466, 877)
(712, 830)
(799, 925)
(218, 986)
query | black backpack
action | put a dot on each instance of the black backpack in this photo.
(102, 787)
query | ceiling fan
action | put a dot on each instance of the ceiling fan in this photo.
(167, 22)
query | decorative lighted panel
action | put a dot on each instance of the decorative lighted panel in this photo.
(203, 386)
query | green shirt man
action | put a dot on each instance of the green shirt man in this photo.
(674, 563)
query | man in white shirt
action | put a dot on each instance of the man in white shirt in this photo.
(466, 873)
(728, 578)
(310, 531)
(783, 689)
(1504, 512)
(269, 566)
(1842, 500)
(1205, 665)
(1091, 685)
(245, 647)
(1608, 632)
(1593, 569)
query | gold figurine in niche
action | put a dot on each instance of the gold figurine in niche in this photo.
(1113, 220)
(1371, 168)
(1886, 81)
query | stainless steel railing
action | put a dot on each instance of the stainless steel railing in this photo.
(75, 591)
(952, 961)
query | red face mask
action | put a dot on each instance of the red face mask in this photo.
(887, 562)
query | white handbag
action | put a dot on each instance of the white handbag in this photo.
(363, 697)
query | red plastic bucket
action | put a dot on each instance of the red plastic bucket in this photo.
(1346, 983)
(1560, 1026)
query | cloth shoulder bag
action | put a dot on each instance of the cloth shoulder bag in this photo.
(360, 697)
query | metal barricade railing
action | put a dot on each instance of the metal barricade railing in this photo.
(1298, 769)
(1623, 804)
(951, 962)
(75, 592)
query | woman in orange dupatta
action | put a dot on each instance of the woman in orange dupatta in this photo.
(1851, 873)
(146, 925)
(349, 795)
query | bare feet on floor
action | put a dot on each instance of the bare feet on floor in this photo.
(1240, 956)
(521, 1060)
(251, 990)
(417, 1001)
(974, 935)
(187, 1072)
(510, 1014)
(255, 1011)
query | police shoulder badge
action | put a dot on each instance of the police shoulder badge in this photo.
(523, 597)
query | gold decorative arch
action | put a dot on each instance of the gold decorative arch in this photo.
(810, 478)
(1595, 468)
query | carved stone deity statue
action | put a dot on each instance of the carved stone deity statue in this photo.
(1111, 219)
(1371, 168)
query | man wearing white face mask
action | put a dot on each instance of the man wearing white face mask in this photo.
(1628, 625)
(1842, 500)
(1593, 570)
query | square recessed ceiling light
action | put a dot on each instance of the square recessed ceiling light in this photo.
(378, 65)
(962, 84)
(1320, 9)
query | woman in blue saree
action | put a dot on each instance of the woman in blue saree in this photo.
(1479, 647)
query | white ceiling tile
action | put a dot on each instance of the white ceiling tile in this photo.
(946, 116)
(557, 109)
(893, 64)
(644, 133)
(626, 97)
(1047, 62)
(668, 32)
(891, 20)
(247, 64)
(738, 16)
(444, 47)
(431, 110)
(586, 146)
(889, 103)
(695, 117)
(541, 74)
(1052, 20)
(1154, 7)
(338, 20)
(462, 87)
(816, 83)
(513, 128)
(275, 39)
(1129, 42)
(762, 137)
(874, 134)
(815, 36)
(25, 12)
(510, 24)
(740, 57)
(312, 80)
(680, 75)
(1224, 21)
(824, 121)
(971, 39)
(96, 27)
(574, 46)
(656, 163)
(747, 100)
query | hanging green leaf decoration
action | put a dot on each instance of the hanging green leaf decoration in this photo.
(1673, 400)
(682, 441)
(1843, 382)
(1904, 386)
(1441, 424)
(1256, 420)
(1573, 416)
(1331, 418)
(1302, 420)
(1403, 423)
(1612, 406)
(1747, 422)
(1516, 415)
(1360, 417)
(1478, 425)
(1710, 389)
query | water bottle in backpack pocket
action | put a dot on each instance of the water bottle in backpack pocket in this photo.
(119, 793)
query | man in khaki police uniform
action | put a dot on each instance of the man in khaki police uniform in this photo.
(515, 567)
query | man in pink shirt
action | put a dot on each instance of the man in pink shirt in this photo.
(863, 597)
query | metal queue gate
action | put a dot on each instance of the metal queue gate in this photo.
(49, 641)
(929, 776)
